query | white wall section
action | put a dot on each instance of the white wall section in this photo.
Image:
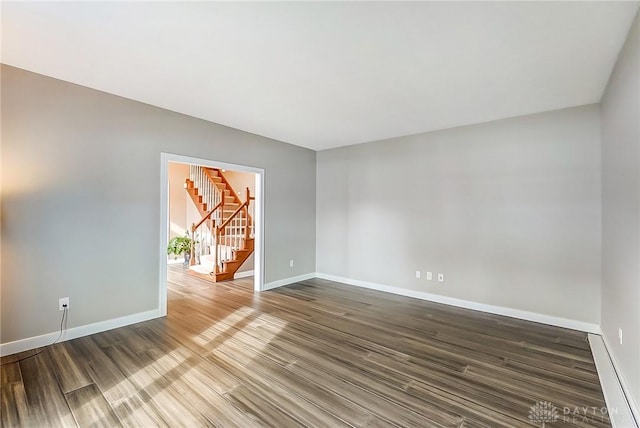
(509, 211)
(81, 200)
(620, 111)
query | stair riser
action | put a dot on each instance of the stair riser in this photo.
(230, 267)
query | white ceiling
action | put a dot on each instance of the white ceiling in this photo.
(327, 74)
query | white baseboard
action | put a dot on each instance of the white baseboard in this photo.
(21, 345)
(633, 405)
(622, 410)
(498, 310)
(75, 332)
(244, 274)
(287, 281)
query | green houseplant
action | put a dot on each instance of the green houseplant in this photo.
(180, 245)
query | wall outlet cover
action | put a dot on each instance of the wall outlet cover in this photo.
(62, 302)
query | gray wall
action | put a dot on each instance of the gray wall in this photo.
(509, 211)
(620, 111)
(81, 200)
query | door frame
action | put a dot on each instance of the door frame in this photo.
(258, 220)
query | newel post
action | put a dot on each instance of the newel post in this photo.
(192, 256)
(246, 216)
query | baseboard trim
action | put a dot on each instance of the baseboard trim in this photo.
(244, 274)
(21, 345)
(287, 281)
(26, 344)
(622, 410)
(467, 304)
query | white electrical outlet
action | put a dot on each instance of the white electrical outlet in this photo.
(440, 277)
(620, 335)
(290, 263)
(63, 303)
(417, 274)
(429, 276)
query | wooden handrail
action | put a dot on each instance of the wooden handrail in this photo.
(196, 226)
(220, 229)
(232, 191)
(229, 186)
(235, 213)
(208, 216)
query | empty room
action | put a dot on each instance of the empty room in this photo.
(320, 214)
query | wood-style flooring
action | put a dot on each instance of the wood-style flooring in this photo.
(317, 354)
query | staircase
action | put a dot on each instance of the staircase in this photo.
(224, 237)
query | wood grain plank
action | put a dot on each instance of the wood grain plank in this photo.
(134, 412)
(14, 411)
(193, 384)
(46, 402)
(112, 382)
(10, 373)
(67, 367)
(89, 408)
(154, 388)
(263, 410)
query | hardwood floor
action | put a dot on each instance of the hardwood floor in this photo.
(316, 354)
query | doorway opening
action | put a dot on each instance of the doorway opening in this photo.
(216, 208)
